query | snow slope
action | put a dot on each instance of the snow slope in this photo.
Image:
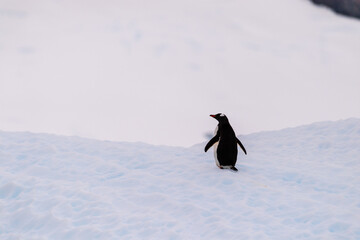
(298, 183)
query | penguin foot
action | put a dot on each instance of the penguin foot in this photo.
(229, 167)
(234, 168)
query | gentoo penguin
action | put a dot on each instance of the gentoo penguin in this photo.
(225, 143)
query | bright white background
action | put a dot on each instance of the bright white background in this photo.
(153, 71)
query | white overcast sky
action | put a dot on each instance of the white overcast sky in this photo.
(153, 71)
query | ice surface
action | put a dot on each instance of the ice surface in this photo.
(299, 183)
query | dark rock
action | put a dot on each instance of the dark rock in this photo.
(346, 7)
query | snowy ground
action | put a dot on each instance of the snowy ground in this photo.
(299, 183)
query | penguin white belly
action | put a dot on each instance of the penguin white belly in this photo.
(215, 154)
(215, 148)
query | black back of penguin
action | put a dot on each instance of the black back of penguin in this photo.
(226, 140)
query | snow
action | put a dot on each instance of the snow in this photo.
(296, 183)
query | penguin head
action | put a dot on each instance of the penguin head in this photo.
(220, 117)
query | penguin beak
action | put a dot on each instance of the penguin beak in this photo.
(212, 116)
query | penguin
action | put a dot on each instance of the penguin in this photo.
(225, 144)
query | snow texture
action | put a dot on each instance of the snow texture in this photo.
(298, 183)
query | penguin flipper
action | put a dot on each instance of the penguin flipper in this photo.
(211, 142)
(242, 146)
